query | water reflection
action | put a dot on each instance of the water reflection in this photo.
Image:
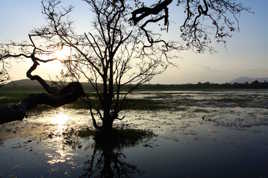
(60, 119)
(106, 157)
(108, 161)
(62, 152)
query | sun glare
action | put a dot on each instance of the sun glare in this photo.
(62, 54)
(60, 119)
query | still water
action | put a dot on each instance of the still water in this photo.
(199, 134)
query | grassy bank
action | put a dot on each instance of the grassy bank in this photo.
(16, 95)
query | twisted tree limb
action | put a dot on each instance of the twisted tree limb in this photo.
(18, 111)
(68, 94)
(54, 97)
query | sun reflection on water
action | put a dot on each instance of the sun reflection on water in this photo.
(60, 119)
(61, 152)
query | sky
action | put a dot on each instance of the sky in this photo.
(246, 53)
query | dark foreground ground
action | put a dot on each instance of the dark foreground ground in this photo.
(198, 134)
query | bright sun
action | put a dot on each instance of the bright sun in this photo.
(62, 54)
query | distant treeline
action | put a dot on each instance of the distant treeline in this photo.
(30, 86)
(206, 86)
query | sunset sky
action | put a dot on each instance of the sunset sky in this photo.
(244, 55)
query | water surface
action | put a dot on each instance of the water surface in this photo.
(199, 134)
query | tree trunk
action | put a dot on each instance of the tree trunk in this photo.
(107, 126)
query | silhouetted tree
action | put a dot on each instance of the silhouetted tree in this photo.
(3, 73)
(123, 47)
(3, 76)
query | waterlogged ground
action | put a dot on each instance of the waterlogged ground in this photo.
(198, 134)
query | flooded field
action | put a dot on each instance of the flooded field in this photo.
(197, 134)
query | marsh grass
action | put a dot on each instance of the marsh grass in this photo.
(118, 138)
(16, 95)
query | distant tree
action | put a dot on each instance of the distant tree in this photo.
(255, 82)
(124, 46)
(3, 71)
(3, 75)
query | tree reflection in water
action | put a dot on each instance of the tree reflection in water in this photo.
(107, 159)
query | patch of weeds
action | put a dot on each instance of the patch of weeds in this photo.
(200, 110)
(118, 138)
(134, 104)
(239, 101)
(85, 132)
(181, 108)
(143, 104)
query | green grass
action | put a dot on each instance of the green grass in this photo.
(134, 104)
(17, 95)
(12, 96)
